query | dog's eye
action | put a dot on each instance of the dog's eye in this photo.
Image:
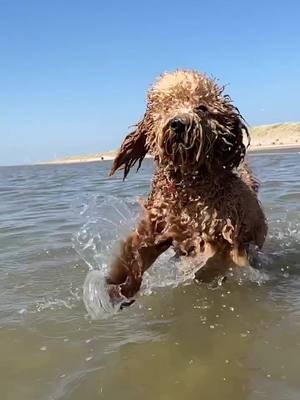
(201, 108)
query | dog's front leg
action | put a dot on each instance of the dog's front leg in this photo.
(138, 253)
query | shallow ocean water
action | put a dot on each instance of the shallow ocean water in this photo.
(179, 340)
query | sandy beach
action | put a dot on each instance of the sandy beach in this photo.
(263, 137)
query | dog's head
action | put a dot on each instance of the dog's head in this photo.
(188, 125)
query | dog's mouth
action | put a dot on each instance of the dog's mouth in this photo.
(182, 141)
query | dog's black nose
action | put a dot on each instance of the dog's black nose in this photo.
(177, 125)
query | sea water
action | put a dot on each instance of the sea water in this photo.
(61, 225)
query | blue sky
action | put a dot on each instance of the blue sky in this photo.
(73, 74)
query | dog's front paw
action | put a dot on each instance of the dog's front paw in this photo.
(117, 298)
(102, 299)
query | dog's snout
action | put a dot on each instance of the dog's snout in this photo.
(178, 125)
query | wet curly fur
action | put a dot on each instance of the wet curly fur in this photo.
(203, 200)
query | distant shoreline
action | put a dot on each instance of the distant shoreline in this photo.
(283, 136)
(252, 149)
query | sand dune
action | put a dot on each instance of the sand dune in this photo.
(263, 137)
(275, 135)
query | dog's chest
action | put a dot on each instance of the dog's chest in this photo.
(197, 211)
(194, 210)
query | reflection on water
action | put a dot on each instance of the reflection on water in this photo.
(180, 340)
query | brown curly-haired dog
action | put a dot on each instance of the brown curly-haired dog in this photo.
(203, 199)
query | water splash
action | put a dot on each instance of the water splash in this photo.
(105, 223)
(249, 274)
(169, 271)
(285, 233)
(95, 297)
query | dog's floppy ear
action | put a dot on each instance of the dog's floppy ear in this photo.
(235, 148)
(230, 149)
(134, 148)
